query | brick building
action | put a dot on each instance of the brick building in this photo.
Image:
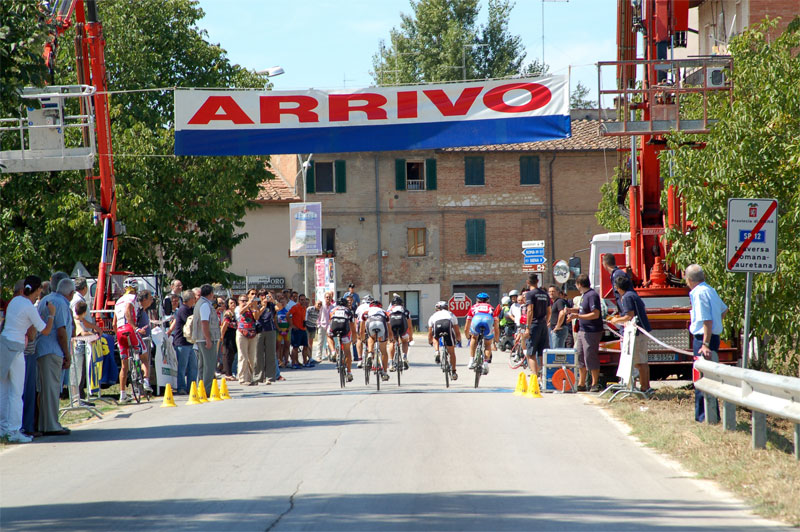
(429, 223)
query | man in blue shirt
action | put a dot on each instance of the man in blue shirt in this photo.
(707, 313)
(53, 353)
(587, 344)
(610, 265)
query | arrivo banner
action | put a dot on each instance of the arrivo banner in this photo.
(257, 122)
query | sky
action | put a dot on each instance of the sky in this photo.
(329, 44)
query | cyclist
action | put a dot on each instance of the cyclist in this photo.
(376, 330)
(343, 326)
(125, 310)
(480, 319)
(443, 324)
(400, 326)
(361, 311)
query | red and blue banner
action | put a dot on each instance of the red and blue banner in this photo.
(257, 122)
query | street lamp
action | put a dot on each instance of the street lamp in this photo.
(271, 72)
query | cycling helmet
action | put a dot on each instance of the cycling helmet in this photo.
(506, 300)
(513, 293)
(397, 300)
(368, 299)
(131, 284)
(343, 302)
(483, 296)
(441, 305)
(375, 303)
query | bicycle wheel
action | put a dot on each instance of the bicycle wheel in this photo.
(398, 361)
(367, 370)
(134, 377)
(378, 372)
(341, 364)
(479, 362)
(446, 368)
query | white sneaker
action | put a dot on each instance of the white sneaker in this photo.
(147, 386)
(123, 398)
(18, 437)
(485, 368)
(360, 363)
(472, 364)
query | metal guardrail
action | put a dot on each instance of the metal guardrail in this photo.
(762, 393)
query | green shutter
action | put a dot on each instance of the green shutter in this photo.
(430, 174)
(340, 175)
(310, 183)
(529, 170)
(399, 174)
(476, 237)
(480, 237)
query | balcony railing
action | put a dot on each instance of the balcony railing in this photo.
(415, 184)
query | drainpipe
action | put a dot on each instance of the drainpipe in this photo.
(378, 228)
(552, 218)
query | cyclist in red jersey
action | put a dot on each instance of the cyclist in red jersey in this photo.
(125, 310)
(481, 319)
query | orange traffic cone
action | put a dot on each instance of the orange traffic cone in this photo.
(193, 398)
(522, 386)
(223, 390)
(201, 392)
(169, 401)
(214, 392)
(533, 388)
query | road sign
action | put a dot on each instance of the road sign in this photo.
(533, 244)
(534, 268)
(534, 260)
(752, 235)
(459, 306)
(533, 252)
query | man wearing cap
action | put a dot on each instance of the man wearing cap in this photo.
(351, 291)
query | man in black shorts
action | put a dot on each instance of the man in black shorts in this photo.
(342, 324)
(443, 324)
(538, 303)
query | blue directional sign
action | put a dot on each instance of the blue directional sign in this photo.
(534, 260)
(533, 252)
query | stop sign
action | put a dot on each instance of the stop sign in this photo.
(459, 307)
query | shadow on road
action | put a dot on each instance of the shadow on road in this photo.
(228, 428)
(498, 510)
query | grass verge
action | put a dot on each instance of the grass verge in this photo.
(767, 479)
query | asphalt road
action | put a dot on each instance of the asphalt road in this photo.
(304, 455)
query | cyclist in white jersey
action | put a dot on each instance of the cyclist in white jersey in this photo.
(399, 326)
(376, 325)
(444, 324)
(361, 311)
(126, 309)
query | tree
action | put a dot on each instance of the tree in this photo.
(182, 213)
(752, 152)
(578, 99)
(441, 41)
(22, 35)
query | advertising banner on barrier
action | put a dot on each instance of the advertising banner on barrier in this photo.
(257, 122)
(325, 277)
(305, 229)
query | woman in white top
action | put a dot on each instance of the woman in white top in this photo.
(21, 315)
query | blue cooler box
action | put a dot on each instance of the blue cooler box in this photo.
(554, 360)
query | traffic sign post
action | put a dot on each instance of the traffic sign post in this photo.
(533, 259)
(752, 247)
(459, 304)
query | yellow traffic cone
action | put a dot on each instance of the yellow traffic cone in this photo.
(169, 401)
(522, 386)
(223, 390)
(214, 392)
(533, 388)
(193, 397)
(201, 392)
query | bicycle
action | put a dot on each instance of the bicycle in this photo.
(517, 358)
(135, 373)
(444, 360)
(377, 366)
(479, 359)
(397, 360)
(341, 367)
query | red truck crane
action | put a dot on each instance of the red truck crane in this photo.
(648, 99)
(42, 133)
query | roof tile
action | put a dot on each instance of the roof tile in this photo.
(585, 137)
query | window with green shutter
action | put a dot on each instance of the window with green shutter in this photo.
(430, 174)
(323, 177)
(399, 174)
(529, 170)
(341, 176)
(476, 236)
(473, 171)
